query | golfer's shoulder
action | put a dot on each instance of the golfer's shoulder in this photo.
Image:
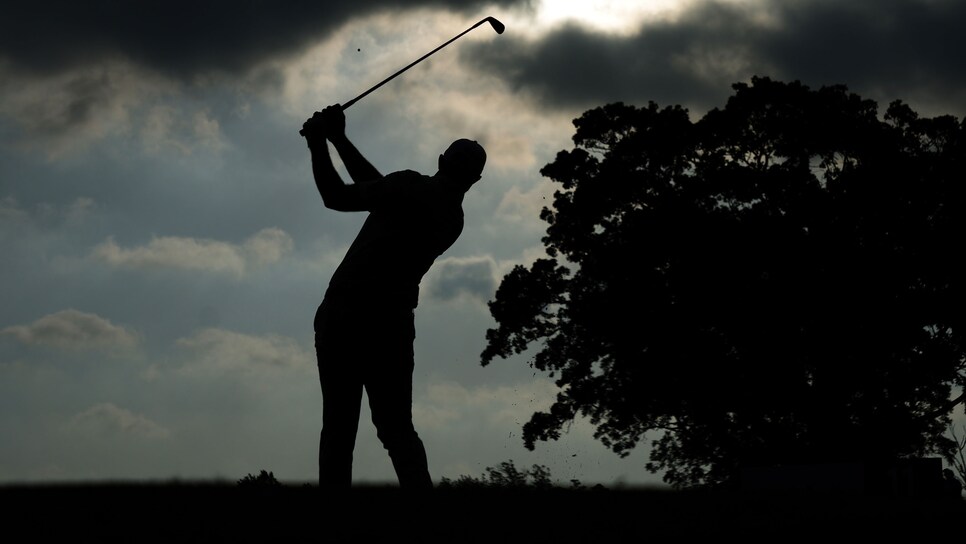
(407, 176)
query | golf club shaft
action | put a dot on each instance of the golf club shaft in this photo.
(493, 22)
(414, 63)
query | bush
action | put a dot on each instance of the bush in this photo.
(264, 479)
(505, 476)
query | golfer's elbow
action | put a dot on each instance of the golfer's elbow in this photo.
(336, 200)
(337, 206)
(332, 202)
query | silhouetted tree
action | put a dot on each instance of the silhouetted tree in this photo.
(780, 281)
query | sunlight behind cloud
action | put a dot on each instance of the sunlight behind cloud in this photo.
(612, 16)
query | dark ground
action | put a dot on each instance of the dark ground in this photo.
(183, 512)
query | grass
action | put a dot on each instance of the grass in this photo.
(222, 512)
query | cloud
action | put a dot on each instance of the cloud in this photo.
(75, 213)
(265, 247)
(268, 246)
(219, 351)
(166, 127)
(896, 48)
(180, 37)
(78, 210)
(62, 111)
(74, 330)
(65, 112)
(11, 213)
(105, 69)
(455, 276)
(175, 252)
(520, 206)
(106, 418)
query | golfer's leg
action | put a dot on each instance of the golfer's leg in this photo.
(390, 392)
(390, 401)
(341, 401)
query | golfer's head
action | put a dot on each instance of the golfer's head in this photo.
(464, 160)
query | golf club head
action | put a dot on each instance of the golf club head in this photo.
(497, 25)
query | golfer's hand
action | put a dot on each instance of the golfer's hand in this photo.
(326, 124)
(312, 130)
(332, 120)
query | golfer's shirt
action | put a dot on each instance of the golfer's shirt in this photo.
(412, 220)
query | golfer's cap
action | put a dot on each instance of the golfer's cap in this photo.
(466, 156)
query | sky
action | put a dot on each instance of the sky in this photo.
(165, 248)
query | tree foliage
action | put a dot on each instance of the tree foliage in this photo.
(958, 455)
(779, 281)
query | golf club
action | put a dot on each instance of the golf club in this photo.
(497, 26)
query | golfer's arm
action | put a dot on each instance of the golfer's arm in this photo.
(359, 168)
(335, 193)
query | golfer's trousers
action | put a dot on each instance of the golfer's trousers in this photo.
(361, 348)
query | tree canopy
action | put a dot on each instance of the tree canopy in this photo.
(779, 281)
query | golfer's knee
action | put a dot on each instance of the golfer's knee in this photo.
(396, 436)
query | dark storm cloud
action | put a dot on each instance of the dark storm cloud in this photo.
(81, 100)
(181, 37)
(890, 47)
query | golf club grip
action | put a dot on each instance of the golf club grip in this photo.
(344, 106)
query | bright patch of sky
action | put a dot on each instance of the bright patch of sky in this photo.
(620, 17)
(612, 16)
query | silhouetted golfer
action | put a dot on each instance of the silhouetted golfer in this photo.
(364, 327)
